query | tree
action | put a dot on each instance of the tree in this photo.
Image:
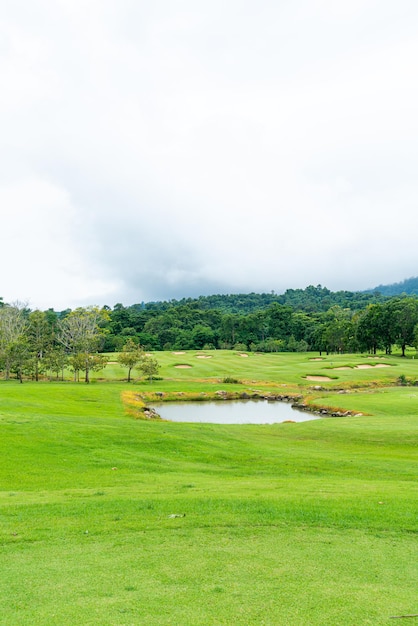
(338, 329)
(55, 361)
(202, 335)
(229, 324)
(405, 317)
(131, 355)
(280, 319)
(21, 358)
(40, 337)
(370, 328)
(81, 332)
(12, 333)
(149, 367)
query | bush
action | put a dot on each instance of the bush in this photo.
(230, 380)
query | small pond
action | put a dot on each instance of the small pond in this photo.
(232, 412)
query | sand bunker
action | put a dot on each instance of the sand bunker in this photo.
(178, 353)
(318, 378)
(342, 368)
(244, 355)
(183, 367)
(368, 367)
(317, 359)
(203, 356)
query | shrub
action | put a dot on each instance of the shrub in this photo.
(229, 379)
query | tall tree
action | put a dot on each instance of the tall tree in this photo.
(81, 333)
(13, 325)
(40, 337)
(370, 328)
(404, 318)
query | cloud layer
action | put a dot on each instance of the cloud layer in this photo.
(161, 150)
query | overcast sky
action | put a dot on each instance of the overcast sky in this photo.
(175, 148)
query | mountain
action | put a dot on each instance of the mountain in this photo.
(408, 286)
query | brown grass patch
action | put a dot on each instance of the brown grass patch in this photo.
(133, 404)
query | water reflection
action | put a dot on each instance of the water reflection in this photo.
(232, 412)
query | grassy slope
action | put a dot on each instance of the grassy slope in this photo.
(294, 524)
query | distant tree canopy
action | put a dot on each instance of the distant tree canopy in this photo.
(35, 343)
(409, 287)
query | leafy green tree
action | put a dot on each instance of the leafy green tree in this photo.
(20, 358)
(272, 345)
(370, 328)
(150, 367)
(338, 329)
(40, 335)
(280, 320)
(416, 337)
(55, 361)
(131, 355)
(13, 325)
(202, 335)
(81, 333)
(404, 319)
(228, 329)
(87, 362)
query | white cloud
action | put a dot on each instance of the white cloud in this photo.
(41, 260)
(172, 149)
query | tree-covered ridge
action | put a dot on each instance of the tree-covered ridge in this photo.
(310, 299)
(409, 286)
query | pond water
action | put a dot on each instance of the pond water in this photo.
(232, 412)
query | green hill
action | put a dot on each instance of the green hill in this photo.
(408, 286)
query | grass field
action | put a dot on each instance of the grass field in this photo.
(114, 521)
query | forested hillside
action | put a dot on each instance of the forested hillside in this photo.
(310, 299)
(409, 286)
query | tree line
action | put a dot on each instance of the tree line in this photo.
(45, 343)
(35, 343)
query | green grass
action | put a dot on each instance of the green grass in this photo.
(296, 524)
(283, 368)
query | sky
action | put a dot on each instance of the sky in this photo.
(177, 148)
